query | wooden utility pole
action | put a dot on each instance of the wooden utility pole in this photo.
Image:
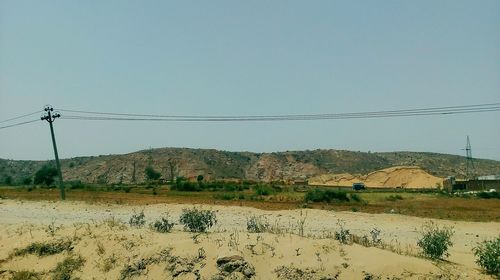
(49, 117)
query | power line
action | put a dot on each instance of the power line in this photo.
(21, 123)
(19, 117)
(360, 115)
(447, 109)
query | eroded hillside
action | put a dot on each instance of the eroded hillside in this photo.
(214, 164)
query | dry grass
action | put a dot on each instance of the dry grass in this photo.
(428, 205)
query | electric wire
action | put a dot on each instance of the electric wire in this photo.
(431, 110)
(378, 114)
(22, 116)
(20, 123)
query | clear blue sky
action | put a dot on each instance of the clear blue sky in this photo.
(250, 58)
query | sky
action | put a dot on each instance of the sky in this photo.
(249, 58)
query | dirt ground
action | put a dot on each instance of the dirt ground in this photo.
(298, 245)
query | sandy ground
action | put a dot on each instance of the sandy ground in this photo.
(110, 247)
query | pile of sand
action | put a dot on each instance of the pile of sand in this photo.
(393, 177)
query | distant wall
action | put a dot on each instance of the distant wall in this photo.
(450, 184)
(482, 185)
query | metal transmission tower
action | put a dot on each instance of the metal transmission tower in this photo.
(469, 168)
(49, 117)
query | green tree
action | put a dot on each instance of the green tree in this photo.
(152, 174)
(8, 180)
(45, 175)
(27, 181)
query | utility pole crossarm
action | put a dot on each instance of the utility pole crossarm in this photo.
(49, 117)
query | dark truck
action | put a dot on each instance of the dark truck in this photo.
(358, 186)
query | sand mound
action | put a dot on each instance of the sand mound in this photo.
(393, 177)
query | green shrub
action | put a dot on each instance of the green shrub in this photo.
(195, 220)
(27, 181)
(137, 220)
(355, 197)
(25, 275)
(185, 186)
(488, 195)
(225, 196)
(343, 235)
(394, 197)
(152, 174)
(488, 255)
(77, 184)
(323, 195)
(64, 269)
(257, 224)
(45, 175)
(44, 249)
(162, 225)
(264, 190)
(435, 241)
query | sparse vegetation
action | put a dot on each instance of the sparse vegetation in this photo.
(163, 225)
(65, 269)
(264, 190)
(435, 241)
(137, 220)
(108, 263)
(44, 249)
(325, 195)
(343, 235)
(488, 255)
(195, 220)
(25, 275)
(257, 224)
(393, 197)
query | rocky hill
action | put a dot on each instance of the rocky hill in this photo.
(217, 165)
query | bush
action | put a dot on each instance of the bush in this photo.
(25, 275)
(137, 220)
(394, 197)
(152, 174)
(162, 225)
(195, 220)
(44, 249)
(264, 190)
(64, 269)
(27, 181)
(488, 255)
(322, 195)
(45, 175)
(343, 235)
(488, 195)
(435, 241)
(181, 184)
(355, 197)
(225, 196)
(257, 224)
(75, 184)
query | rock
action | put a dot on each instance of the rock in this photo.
(235, 267)
(248, 272)
(186, 276)
(233, 258)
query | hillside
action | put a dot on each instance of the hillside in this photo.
(214, 164)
